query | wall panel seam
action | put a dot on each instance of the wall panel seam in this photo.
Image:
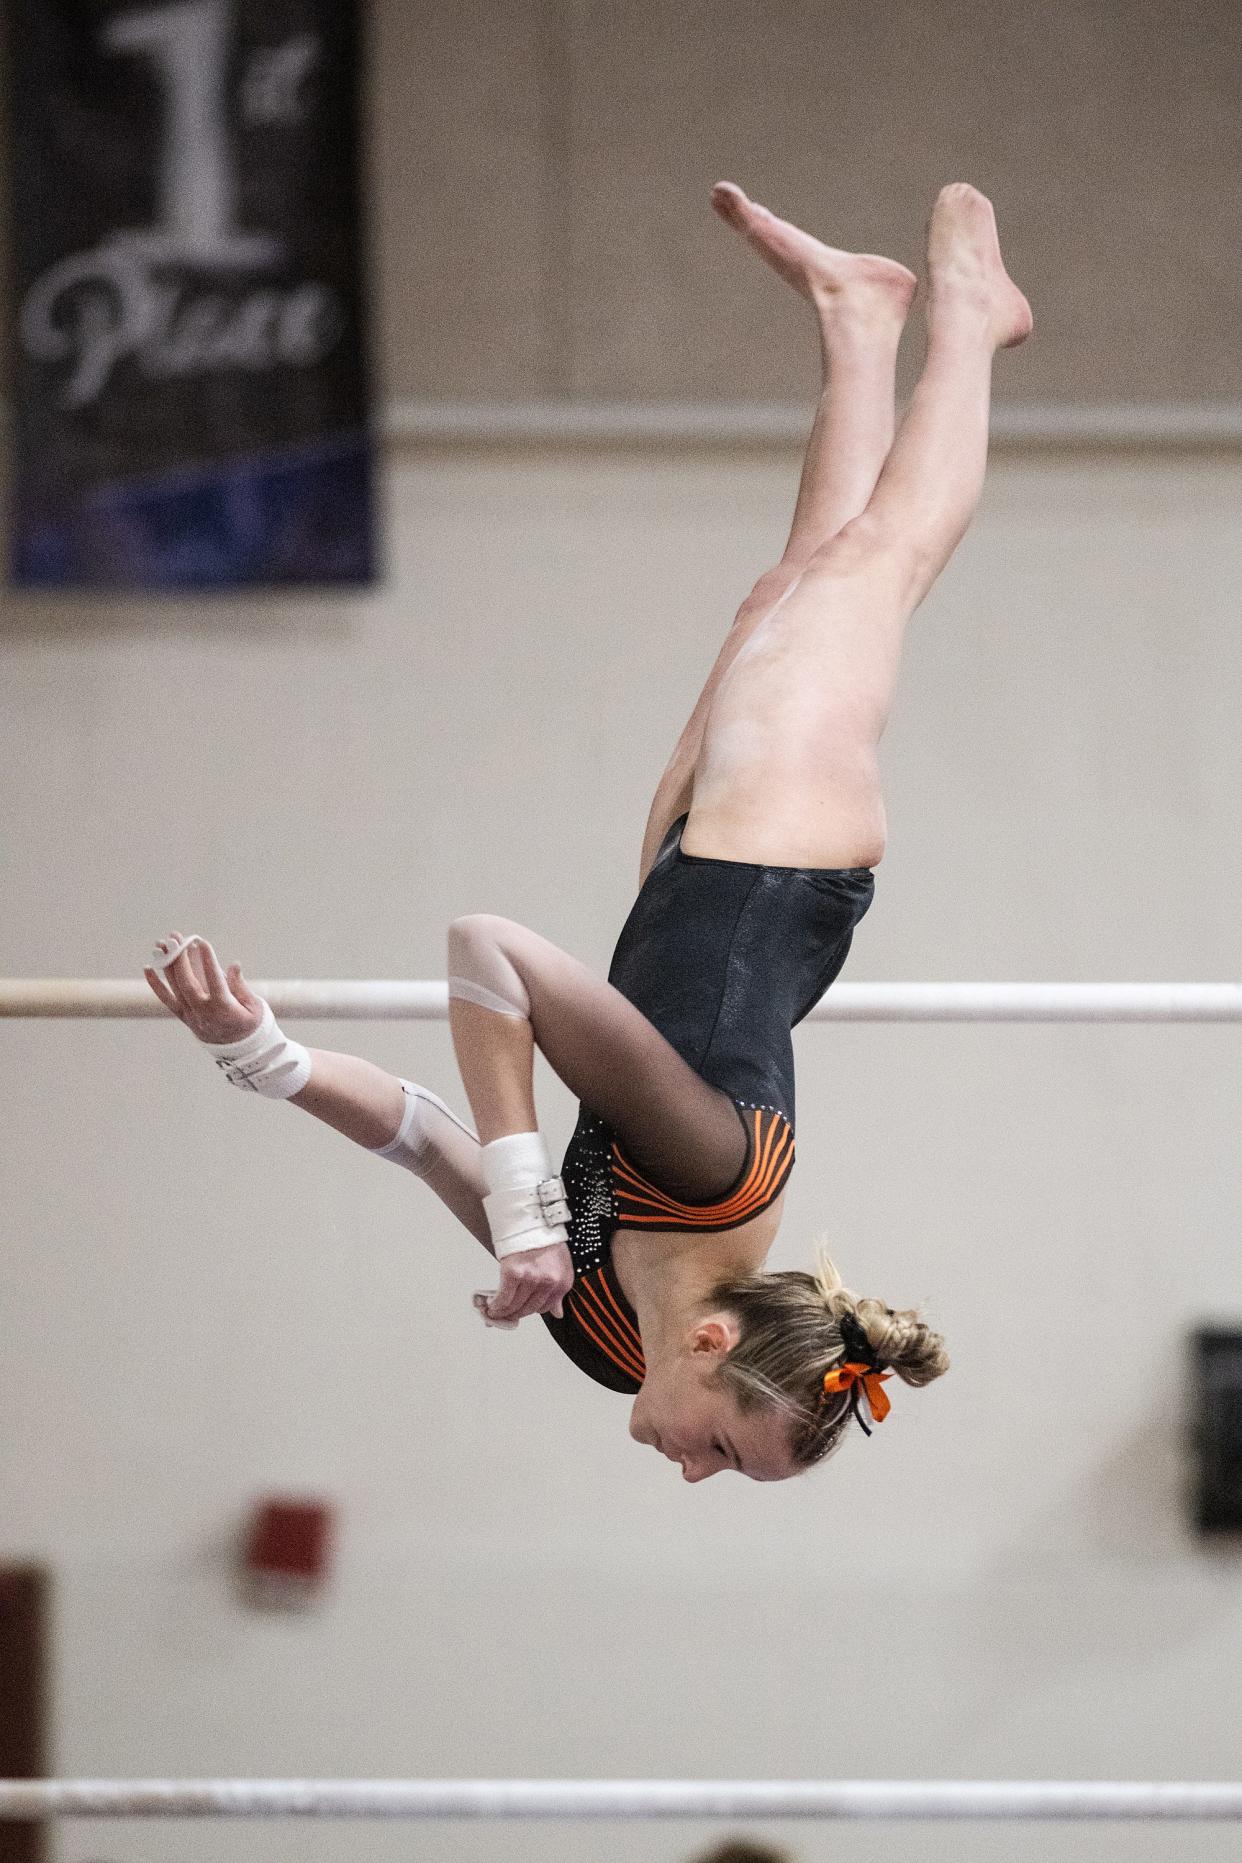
(1171, 427)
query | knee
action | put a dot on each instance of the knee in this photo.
(869, 540)
(771, 586)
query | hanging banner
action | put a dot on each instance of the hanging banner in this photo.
(189, 377)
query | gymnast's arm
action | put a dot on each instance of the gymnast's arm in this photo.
(511, 990)
(395, 1119)
(375, 1109)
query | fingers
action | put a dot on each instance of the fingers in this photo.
(482, 1305)
(160, 986)
(213, 977)
(186, 971)
(519, 1296)
(241, 989)
(533, 1281)
(186, 975)
(174, 961)
(191, 973)
(169, 948)
(504, 1307)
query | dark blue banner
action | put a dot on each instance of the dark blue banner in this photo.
(189, 375)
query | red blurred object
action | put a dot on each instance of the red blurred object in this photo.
(287, 1555)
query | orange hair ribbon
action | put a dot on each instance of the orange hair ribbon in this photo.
(842, 1377)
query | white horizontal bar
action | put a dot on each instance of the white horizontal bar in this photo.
(614, 1799)
(347, 1001)
(1031, 1002)
(1171, 426)
(393, 1000)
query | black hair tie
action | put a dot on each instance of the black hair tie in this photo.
(858, 1348)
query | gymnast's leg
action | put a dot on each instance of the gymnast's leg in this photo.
(860, 302)
(787, 773)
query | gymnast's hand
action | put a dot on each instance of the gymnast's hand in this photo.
(534, 1281)
(215, 1005)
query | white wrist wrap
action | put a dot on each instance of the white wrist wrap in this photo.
(264, 1061)
(525, 1204)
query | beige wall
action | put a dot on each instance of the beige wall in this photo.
(542, 226)
(204, 1296)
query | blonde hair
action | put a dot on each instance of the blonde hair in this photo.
(791, 1337)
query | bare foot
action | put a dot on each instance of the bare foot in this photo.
(819, 272)
(964, 261)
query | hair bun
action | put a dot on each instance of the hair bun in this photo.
(899, 1340)
(903, 1342)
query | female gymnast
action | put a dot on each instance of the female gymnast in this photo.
(645, 1257)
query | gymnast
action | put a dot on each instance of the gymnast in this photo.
(645, 1257)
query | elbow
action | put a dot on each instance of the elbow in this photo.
(476, 925)
(480, 965)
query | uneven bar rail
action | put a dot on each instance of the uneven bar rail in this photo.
(376, 1000)
(606, 1799)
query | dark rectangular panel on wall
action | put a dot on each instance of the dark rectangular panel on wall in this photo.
(25, 1593)
(189, 373)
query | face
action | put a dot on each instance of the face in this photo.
(681, 1412)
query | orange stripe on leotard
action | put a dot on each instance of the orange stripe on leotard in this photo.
(583, 1321)
(628, 1329)
(777, 1141)
(588, 1318)
(613, 1324)
(645, 1203)
(586, 1310)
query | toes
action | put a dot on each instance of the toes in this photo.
(730, 202)
(726, 199)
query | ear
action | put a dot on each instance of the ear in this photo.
(718, 1333)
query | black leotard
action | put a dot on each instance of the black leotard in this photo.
(725, 957)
